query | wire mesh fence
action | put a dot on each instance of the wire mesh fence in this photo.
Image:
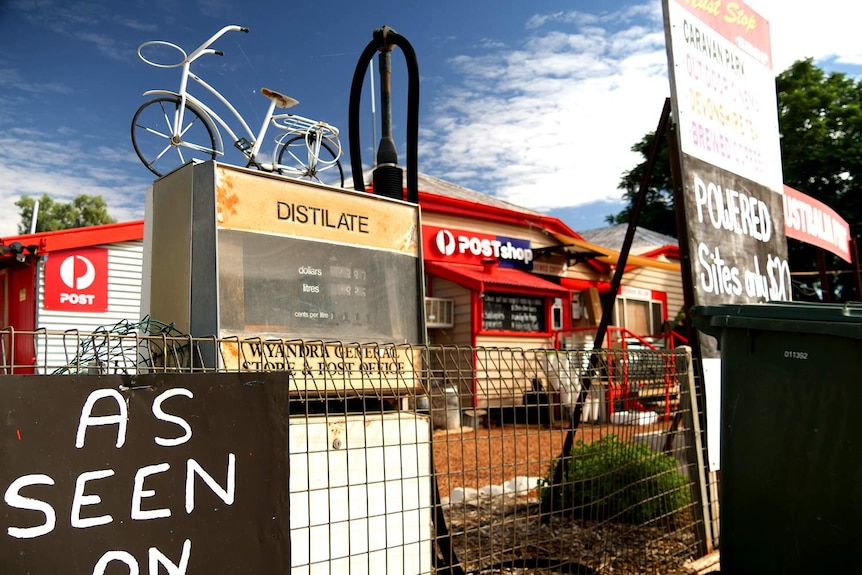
(417, 459)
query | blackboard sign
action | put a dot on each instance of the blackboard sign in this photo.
(736, 237)
(155, 473)
(513, 313)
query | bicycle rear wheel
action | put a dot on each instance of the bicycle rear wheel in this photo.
(297, 160)
(155, 144)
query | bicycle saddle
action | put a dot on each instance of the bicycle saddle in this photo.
(280, 99)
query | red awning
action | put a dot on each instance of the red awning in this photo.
(581, 285)
(482, 278)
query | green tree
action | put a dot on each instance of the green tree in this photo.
(820, 122)
(658, 211)
(820, 119)
(52, 215)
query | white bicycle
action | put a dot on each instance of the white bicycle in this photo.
(175, 127)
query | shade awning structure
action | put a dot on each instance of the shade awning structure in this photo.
(611, 257)
(482, 278)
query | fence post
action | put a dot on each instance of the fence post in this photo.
(694, 452)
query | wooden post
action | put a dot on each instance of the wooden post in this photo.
(854, 256)
(824, 277)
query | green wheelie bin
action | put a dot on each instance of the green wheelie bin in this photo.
(791, 436)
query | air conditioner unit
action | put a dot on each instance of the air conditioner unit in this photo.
(439, 312)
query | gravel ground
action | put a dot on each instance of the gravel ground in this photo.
(478, 457)
(504, 533)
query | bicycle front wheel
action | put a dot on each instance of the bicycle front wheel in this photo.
(297, 159)
(161, 145)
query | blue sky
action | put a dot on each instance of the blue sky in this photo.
(538, 103)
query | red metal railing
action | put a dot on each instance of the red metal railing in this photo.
(622, 386)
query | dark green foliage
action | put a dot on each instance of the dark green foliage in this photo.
(81, 212)
(614, 479)
(820, 118)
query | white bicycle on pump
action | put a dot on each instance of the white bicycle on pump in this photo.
(175, 127)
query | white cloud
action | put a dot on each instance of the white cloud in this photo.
(74, 19)
(11, 77)
(35, 164)
(546, 120)
(821, 30)
(105, 44)
(550, 123)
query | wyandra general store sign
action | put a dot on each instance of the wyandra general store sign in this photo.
(327, 367)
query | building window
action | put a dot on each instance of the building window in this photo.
(513, 313)
(642, 317)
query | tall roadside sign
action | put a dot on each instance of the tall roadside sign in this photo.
(724, 104)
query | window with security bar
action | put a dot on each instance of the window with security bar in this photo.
(640, 317)
(502, 312)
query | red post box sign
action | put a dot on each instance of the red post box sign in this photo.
(77, 280)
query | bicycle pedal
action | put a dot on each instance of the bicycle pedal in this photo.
(242, 145)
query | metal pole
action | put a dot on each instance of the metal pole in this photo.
(386, 154)
(34, 217)
(607, 310)
(637, 208)
(373, 112)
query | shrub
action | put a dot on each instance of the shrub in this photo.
(614, 479)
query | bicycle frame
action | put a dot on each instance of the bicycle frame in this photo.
(211, 115)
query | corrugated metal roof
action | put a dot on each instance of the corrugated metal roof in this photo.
(613, 236)
(435, 186)
(432, 185)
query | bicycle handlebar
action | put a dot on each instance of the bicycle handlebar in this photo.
(188, 58)
(202, 49)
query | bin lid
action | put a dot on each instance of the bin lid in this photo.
(840, 320)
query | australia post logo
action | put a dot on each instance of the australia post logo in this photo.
(444, 244)
(77, 280)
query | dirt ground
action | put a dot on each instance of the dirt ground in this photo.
(490, 456)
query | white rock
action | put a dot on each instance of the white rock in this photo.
(491, 490)
(462, 494)
(634, 417)
(521, 484)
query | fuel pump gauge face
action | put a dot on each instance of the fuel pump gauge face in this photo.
(319, 289)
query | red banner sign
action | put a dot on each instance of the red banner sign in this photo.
(815, 223)
(77, 280)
